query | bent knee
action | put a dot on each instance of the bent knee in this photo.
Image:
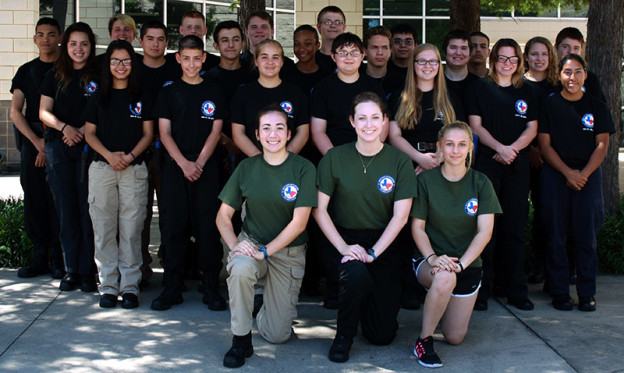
(444, 282)
(454, 338)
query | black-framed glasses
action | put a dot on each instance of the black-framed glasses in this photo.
(116, 61)
(428, 62)
(329, 22)
(503, 59)
(398, 41)
(354, 54)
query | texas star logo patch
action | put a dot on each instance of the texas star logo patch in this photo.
(287, 107)
(91, 87)
(521, 107)
(588, 120)
(471, 207)
(208, 108)
(136, 108)
(290, 192)
(386, 184)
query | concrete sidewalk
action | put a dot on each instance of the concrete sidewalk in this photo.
(43, 329)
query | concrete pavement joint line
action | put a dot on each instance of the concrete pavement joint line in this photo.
(534, 332)
(29, 325)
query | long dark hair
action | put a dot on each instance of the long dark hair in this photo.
(106, 84)
(64, 66)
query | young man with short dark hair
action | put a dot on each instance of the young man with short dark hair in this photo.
(194, 23)
(41, 220)
(259, 27)
(378, 46)
(456, 49)
(479, 53)
(403, 44)
(190, 114)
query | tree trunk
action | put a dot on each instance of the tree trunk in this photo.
(605, 33)
(465, 15)
(247, 7)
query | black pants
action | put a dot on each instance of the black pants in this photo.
(190, 209)
(503, 256)
(70, 192)
(369, 292)
(41, 220)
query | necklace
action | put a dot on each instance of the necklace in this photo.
(369, 162)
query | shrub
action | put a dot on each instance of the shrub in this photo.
(15, 247)
(611, 242)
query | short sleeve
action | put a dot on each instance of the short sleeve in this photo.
(319, 105)
(231, 194)
(420, 205)
(472, 100)
(237, 106)
(406, 179)
(162, 109)
(325, 175)
(604, 122)
(18, 80)
(49, 85)
(303, 116)
(90, 112)
(307, 191)
(488, 202)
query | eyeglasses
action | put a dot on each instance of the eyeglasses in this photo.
(354, 54)
(329, 22)
(115, 62)
(398, 41)
(428, 62)
(503, 59)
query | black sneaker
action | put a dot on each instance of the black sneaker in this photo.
(587, 304)
(214, 300)
(563, 302)
(426, 354)
(69, 282)
(169, 297)
(129, 300)
(339, 350)
(31, 271)
(108, 301)
(241, 348)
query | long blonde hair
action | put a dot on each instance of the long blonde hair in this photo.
(458, 125)
(410, 109)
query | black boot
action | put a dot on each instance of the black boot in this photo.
(38, 265)
(171, 295)
(212, 297)
(241, 348)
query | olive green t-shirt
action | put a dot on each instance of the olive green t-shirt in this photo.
(365, 200)
(272, 193)
(450, 209)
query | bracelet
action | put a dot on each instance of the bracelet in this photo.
(63, 128)
(132, 155)
(427, 260)
(264, 251)
(460, 265)
(371, 252)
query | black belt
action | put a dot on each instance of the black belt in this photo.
(426, 147)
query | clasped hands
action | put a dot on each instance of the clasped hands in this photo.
(246, 247)
(355, 252)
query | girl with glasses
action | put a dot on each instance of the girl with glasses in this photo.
(118, 128)
(503, 113)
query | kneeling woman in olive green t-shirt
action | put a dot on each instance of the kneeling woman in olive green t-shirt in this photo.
(370, 186)
(279, 190)
(453, 221)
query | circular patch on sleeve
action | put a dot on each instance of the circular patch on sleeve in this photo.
(521, 107)
(386, 184)
(588, 120)
(208, 108)
(471, 207)
(290, 192)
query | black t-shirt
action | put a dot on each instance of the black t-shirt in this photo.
(325, 61)
(211, 61)
(391, 82)
(120, 123)
(430, 122)
(462, 87)
(68, 104)
(331, 101)
(230, 80)
(401, 70)
(28, 80)
(192, 109)
(303, 80)
(153, 79)
(504, 111)
(252, 97)
(573, 126)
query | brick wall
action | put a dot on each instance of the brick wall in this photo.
(17, 27)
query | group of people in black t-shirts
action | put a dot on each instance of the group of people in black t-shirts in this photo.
(417, 176)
